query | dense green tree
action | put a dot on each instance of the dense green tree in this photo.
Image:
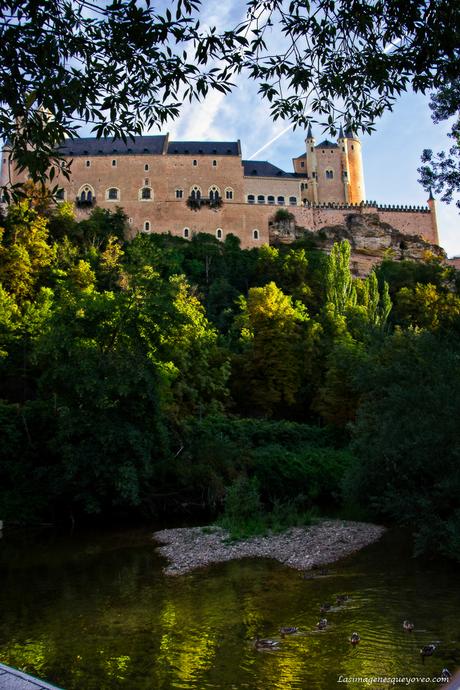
(406, 438)
(267, 373)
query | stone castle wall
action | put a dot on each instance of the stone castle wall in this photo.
(410, 221)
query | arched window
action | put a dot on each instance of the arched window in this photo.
(145, 194)
(293, 201)
(114, 163)
(186, 233)
(88, 164)
(112, 194)
(281, 200)
(255, 234)
(179, 193)
(261, 199)
(194, 163)
(329, 174)
(229, 193)
(195, 192)
(214, 193)
(214, 164)
(219, 233)
(60, 195)
(270, 199)
(146, 226)
(86, 194)
(251, 199)
(146, 167)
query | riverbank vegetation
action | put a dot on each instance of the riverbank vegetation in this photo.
(164, 374)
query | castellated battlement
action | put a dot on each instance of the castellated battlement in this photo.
(187, 187)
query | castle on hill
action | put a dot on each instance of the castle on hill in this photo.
(187, 187)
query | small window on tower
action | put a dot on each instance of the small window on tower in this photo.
(179, 193)
(302, 164)
(146, 167)
(114, 163)
(147, 226)
(214, 164)
(88, 164)
(329, 174)
(195, 163)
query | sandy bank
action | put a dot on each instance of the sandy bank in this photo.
(302, 548)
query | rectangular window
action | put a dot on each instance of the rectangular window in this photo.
(179, 193)
(214, 164)
(229, 194)
(302, 164)
(88, 164)
(195, 162)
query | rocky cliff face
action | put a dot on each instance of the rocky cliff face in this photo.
(371, 240)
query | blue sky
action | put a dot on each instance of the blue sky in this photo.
(391, 155)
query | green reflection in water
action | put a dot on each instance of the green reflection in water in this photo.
(94, 612)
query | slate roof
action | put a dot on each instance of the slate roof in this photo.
(326, 144)
(206, 148)
(265, 169)
(90, 146)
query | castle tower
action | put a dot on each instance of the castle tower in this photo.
(434, 219)
(345, 168)
(312, 165)
(355, 168)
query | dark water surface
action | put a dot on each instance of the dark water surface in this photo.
(95, 612)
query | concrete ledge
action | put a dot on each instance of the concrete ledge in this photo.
(12, 679)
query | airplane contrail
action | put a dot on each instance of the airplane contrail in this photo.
(269, 143)
(386, 50)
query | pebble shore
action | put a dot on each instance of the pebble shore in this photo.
(302, 548)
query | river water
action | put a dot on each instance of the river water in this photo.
(94, 612)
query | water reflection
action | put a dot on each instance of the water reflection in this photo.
(95, 612)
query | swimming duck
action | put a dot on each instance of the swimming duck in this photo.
(355, 639)
(427, 650)
(342, 598)
(322, 624)
(266, 643)
(445, 673)
(288, 631)
(408, 626)
(324, 608)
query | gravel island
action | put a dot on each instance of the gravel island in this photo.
(303, 548)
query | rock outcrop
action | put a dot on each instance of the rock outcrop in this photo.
(371, 240)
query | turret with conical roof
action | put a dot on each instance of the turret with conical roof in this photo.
(356, 188)
(312, 165)
(345, 168)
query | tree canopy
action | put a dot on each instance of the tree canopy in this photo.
(125, 66)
